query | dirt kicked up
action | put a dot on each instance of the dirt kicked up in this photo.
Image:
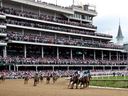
(18, 88)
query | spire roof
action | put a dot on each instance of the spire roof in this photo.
(119, 35)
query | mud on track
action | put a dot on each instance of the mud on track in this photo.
(17, 88)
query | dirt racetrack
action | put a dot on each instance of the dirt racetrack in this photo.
(17, 88)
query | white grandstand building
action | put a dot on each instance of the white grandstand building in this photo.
(43, 36)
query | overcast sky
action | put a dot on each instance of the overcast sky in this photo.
(109, 13)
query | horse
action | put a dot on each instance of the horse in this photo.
(26, 78)
(54, 79)
(36, 80)
(74, 80)
(2, 78)
(47, 79)
(41, 78)
(84, 81)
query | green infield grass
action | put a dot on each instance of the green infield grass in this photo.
(110, 81)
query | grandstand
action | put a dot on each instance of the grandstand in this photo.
(43, 36)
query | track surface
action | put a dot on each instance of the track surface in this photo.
(17, 88)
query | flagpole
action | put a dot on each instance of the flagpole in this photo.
(73, 4)
(56, 2)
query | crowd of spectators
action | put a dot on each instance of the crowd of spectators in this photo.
(51, 18)
(43, 16)
(48, 26)
(2, 22)
(60, 61)
(54, 27)
(2, 41)
(60, 73)
(30, 73)
(44, 38)
(3, 30)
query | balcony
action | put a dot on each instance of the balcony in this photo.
(2, 43)
(3, 34)
(3, 26)
(55, 31)
(85, 10)
(46, 5)
(56, 23)
(2, 16)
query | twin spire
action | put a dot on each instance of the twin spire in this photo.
(119, 36)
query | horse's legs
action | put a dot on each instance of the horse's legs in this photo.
(72, 85)
(34, 83)
(48, 82)
(53, 81)
(77, 85)
(84, 85)
(69, 84)
(88, 84)
(80, 85)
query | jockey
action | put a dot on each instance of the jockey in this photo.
(85, 74)
(76, 73)
(81, 74)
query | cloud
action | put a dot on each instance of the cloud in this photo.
(109, 24)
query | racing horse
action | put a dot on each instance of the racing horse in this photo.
(41, 78)
(26, 78)
(36, 80)
(48, 77)
(54, 78)
(84, 81)
(2, 78)
(74, 80)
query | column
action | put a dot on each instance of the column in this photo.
(17, 68)
(123, 56)
(94, 55)
(111, 67)
(109, 55)
(83, 56)
(104, 68)
(25, 51)
(36, 68)
(71, 54)
(68, 20)
(69, 37)
(102, 55)
(119, 68)
(14, 67)
(117, 56)
(1, 4)
(9, 67)
(82, 38)
(42, 53)
(5, 52)
(40, 34)
(22, 31)
(81, 21)
(93, 68)
(55, 37)
(53, 68)
(57, 53)
(39, 12)
(67, 68)
(55, 16)
(127, 56)
(81, 68)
